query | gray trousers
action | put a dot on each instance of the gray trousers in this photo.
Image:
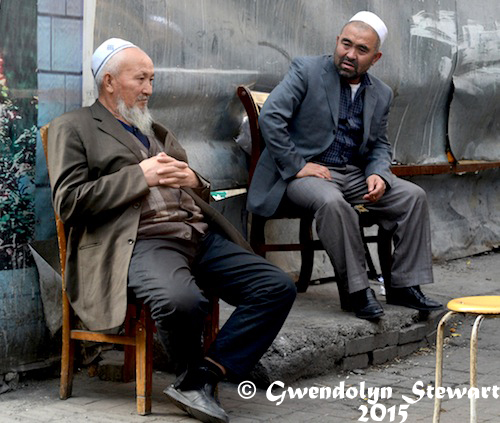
(402, 209)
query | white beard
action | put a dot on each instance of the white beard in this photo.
(140, 118)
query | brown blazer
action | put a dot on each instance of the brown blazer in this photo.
(97, 191)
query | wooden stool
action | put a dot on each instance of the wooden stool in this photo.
(480, 307)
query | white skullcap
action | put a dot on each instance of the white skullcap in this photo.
(106, 51)
(374, 21)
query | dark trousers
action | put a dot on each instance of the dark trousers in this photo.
(172, 276)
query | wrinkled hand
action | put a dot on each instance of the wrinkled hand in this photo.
(376, 188)
(314, 169)
(166, 171)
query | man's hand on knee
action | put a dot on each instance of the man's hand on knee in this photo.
(376, 188)
(314, 169)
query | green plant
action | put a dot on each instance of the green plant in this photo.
(17, 160)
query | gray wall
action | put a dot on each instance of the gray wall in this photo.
(440, 58)
(436, 52)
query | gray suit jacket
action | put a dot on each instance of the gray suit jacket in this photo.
(299, 121)
(97, 189)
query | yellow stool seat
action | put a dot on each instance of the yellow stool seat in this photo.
(483, 304)
(481, 307)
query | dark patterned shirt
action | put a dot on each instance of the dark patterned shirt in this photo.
(343, 149)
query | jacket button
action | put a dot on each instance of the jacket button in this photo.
(136, 205)
(130, 241)
(187, 235)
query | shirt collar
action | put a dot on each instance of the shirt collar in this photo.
(365, 80)
(137, 132)
(129, 128)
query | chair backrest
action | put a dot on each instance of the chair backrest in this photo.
(61, 235)
(253, 102)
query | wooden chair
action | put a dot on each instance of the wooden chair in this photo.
(138, 332)
(252, 102)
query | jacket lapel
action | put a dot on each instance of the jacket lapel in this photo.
(331, 83)
(162, 136)
(369, 103)
(110, 125)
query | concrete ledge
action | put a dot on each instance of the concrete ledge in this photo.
(319, 338)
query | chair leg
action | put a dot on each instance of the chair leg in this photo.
(257, 234)
(473, 366)
(144, 362)
(307, 253)
(129, 362)
(384, 250)
(211, 324)
(372, 272)
(67, 353)
(439, 364)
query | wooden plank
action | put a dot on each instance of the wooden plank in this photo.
(84, 335)
(465, 166)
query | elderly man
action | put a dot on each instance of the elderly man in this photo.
(325, 128)
(137, 218)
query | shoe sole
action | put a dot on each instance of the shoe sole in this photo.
(370, 316)
(180, 401)
(415, 307)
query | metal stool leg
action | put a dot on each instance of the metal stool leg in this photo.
(473, 366)
(439, 363)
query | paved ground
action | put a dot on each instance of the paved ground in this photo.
(100, 401)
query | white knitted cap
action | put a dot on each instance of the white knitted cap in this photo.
(106, 51)
(374, 21)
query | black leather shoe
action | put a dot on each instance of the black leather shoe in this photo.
(412, 297)
(199, 403)
(365, 304)
(194, 392)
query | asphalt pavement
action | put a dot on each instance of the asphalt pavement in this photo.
(397, 390)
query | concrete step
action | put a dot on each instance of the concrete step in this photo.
(319, 338)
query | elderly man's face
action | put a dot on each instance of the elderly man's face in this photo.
(134, 82)
(356, 51)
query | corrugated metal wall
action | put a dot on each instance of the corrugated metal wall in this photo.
(436, 53)
(440, 58)
(474, 122)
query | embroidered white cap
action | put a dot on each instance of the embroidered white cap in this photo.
(374, 21)
(106, 51)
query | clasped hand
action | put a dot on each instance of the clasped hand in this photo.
(165, 170)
